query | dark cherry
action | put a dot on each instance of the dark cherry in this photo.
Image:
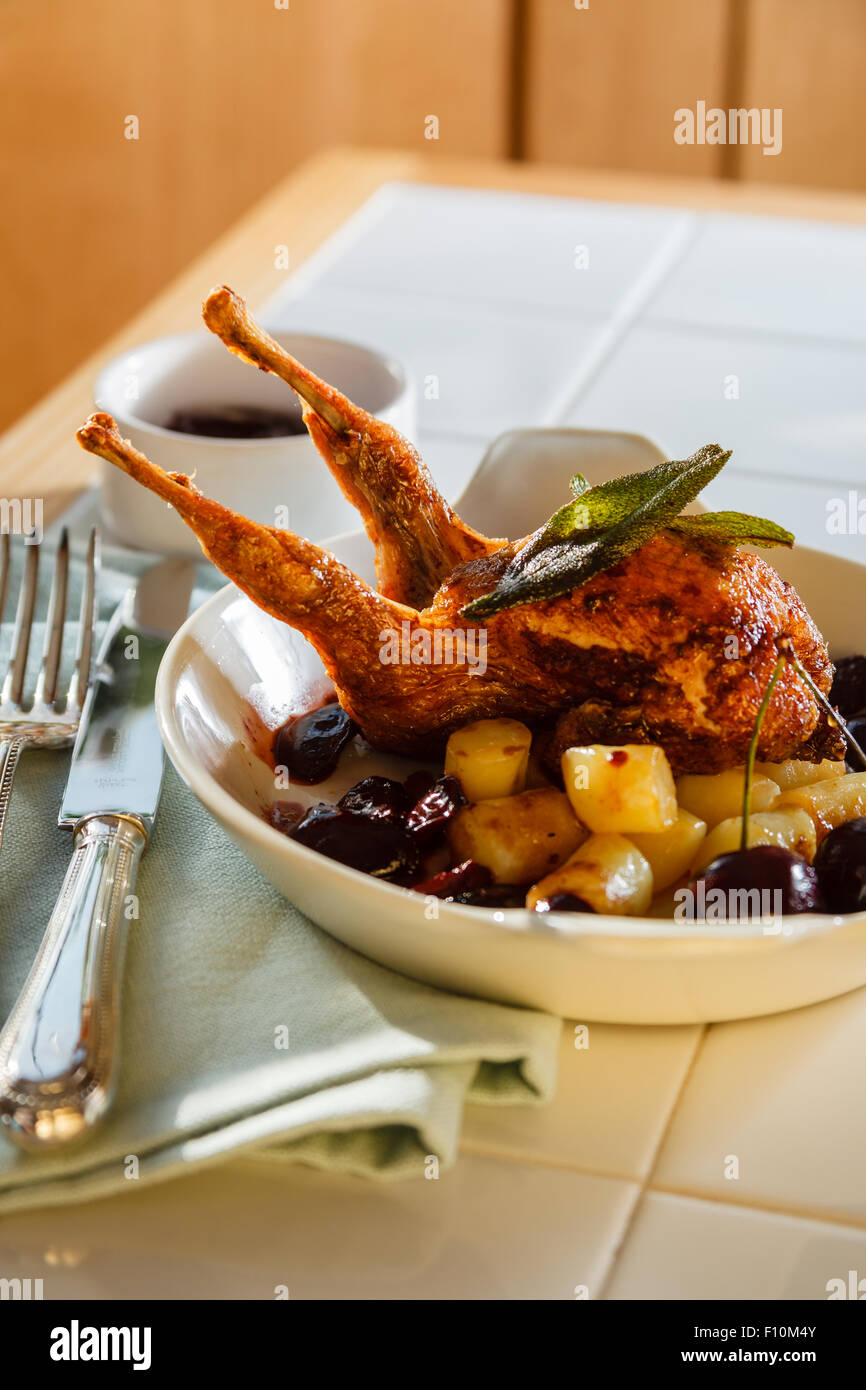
(494, 895)
(767, 870)
(309, 745)
(841, 867)
(848, 691)
(563, 902)
(376, 847)
(380, 798)
(417, 784)
(285, 815)
(858, 729)
(429, 816)
(462, 878)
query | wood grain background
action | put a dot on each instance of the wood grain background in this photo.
(231, 95)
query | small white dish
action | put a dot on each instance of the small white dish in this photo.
(231, 658)
(277, 481)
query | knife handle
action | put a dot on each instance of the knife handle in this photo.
(59, 1048)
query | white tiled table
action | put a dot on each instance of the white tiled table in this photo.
(727, 1161)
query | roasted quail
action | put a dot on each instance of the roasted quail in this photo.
(674, 645)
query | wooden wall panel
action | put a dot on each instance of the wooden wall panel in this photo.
(230, 96)
(807, 58)
(233, 94)
(601, 85)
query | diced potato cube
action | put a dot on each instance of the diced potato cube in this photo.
(793, 773)
(623, 788)
(489, 757)
(830, 803)
(670, 852)
(791, 828)
(717, 796)
(608, 872)
(518, 838)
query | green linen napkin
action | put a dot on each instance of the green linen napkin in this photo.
(245, 1027)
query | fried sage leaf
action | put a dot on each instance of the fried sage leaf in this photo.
(596, 509)
(598, 529)
(736, 528)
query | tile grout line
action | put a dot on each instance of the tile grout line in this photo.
(617, 322)
(611, 1259)
(480, 304)
(653, 1163)
(472, 1148)
(374, 209)
(664, 260)
(488, 306)
(484, 308)
(754, 333)
(475, 1149)
(608, 1257)
(753, 1205)
(613, 325)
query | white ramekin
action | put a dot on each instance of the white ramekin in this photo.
(278, 481)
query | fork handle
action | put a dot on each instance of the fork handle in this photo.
(10, 752)
(59, 1048)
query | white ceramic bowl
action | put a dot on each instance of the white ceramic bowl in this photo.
(142, 388)
(230, 656)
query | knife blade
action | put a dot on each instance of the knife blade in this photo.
(117, 761)
(59, 1048)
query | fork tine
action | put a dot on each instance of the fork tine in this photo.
(4, 572)
(87, 617)
(14, 682)
(46, 684)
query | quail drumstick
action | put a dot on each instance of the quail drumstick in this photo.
(417, 537)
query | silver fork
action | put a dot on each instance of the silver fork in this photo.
(49, 720)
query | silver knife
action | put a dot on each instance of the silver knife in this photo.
(59, 1047)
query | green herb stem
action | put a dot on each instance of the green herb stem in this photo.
(785, 646)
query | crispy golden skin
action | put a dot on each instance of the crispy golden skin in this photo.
(675, 645)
